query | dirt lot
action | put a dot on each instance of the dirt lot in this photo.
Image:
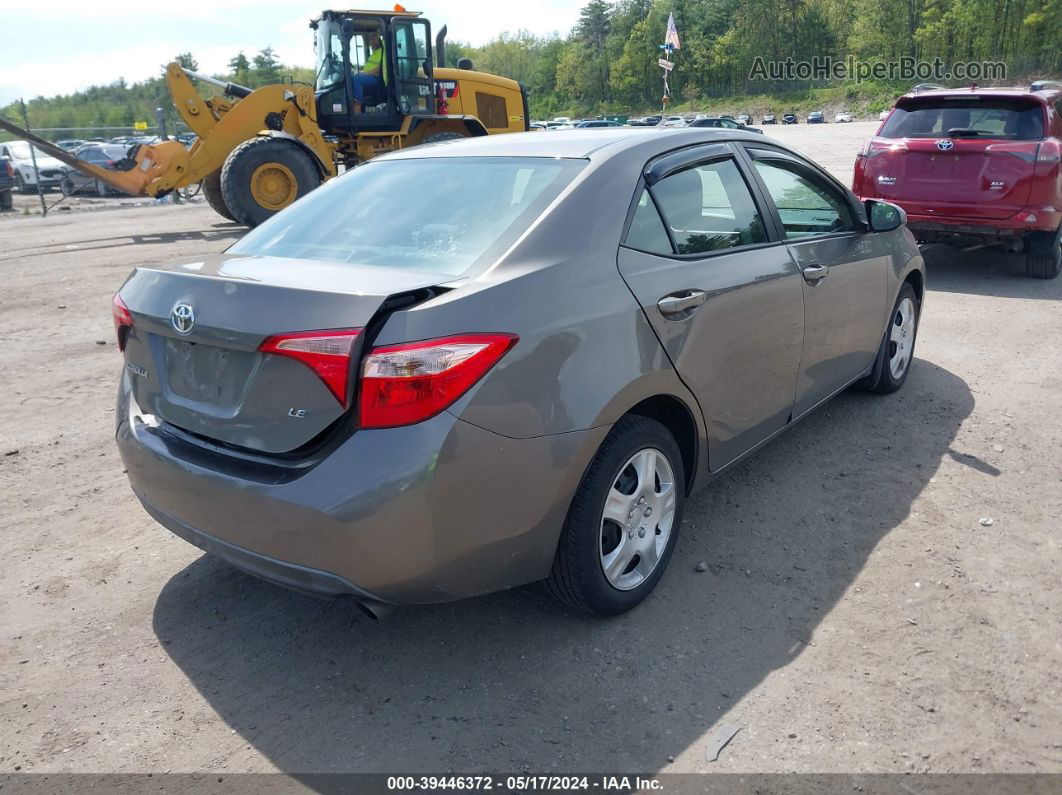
(860, 612)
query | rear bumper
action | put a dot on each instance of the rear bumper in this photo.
(290, 575)
(1047, 219)
(431, 512)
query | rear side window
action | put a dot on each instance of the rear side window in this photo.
(807, 206)
(647, 232)
(443, 215)
(709, 208)
(974, 117)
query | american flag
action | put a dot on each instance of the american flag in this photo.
(672, 33)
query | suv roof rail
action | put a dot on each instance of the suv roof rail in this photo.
(1045, 85)
(927, 87)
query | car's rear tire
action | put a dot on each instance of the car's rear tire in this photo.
(897, 345)
(212, 191)
(264, 175)
(623, 522)
(67, 186)
(1044, 260)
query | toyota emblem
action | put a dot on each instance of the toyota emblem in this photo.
(945, 144)
(183, 318)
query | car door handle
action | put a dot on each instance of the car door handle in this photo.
(813, 273)
(680, 302)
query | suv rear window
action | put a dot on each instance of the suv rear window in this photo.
(966, 117)
(439, 215)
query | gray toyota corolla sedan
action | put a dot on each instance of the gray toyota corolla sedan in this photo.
(473, 365)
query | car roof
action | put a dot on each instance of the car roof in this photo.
(595, 143)
(1045, 96)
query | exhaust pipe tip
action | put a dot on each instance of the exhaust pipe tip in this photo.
(377, 611)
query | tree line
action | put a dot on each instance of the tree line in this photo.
(607, 62)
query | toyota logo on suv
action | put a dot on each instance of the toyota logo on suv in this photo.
(945, 144)
(183, 318)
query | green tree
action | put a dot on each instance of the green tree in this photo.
(240, 68)
(266, 68)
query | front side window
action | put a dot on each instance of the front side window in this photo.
(807, 206)
(438, 215)
(709, 208)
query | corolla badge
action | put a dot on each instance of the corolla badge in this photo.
(945, 144)
(183, 318)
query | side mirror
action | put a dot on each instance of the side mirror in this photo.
(884, 217)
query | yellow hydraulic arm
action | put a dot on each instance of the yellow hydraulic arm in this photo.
(222, 124)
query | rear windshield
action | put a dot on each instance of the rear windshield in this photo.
(439, 215)
(961, 117)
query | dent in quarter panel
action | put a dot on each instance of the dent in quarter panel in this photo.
(583, 341)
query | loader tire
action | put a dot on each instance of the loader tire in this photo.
(262, 176)
(212, 191)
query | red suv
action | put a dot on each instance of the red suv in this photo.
(974, 166)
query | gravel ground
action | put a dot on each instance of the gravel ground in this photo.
(881, 594)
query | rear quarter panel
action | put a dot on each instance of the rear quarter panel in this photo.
(586, 352)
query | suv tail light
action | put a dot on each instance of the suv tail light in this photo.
(123, 320)
(876, 146)
(1050, 151)
(1048, 157)
(327, 353)
(408, 383)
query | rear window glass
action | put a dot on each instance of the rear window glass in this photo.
(976, 117)
(439, 215)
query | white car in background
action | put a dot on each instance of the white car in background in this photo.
(673, 121)
(843, 116)
(884, 114)
(50, 169)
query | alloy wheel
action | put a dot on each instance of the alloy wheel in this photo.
(637, 519)
(902, 337)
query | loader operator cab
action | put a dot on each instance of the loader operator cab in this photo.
(396, 46)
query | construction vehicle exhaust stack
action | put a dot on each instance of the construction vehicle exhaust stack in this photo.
(258, 150)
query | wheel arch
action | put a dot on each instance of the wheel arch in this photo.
(918, 281)
(316, 158)
(675, 415)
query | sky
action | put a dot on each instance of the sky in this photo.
(60, 46)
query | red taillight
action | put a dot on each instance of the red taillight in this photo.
(408, 383)
(327, 353)
(123, 320)
(877, 146)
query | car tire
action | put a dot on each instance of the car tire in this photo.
(67, 187)
(590, 540)
(264, 175)
(103, 190)
(896, 353)
(212, 191)
(23, 187)
(1044, 260)
(7, 201)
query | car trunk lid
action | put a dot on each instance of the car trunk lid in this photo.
(193, 355)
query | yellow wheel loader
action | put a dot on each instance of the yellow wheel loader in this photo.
(377, 89)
